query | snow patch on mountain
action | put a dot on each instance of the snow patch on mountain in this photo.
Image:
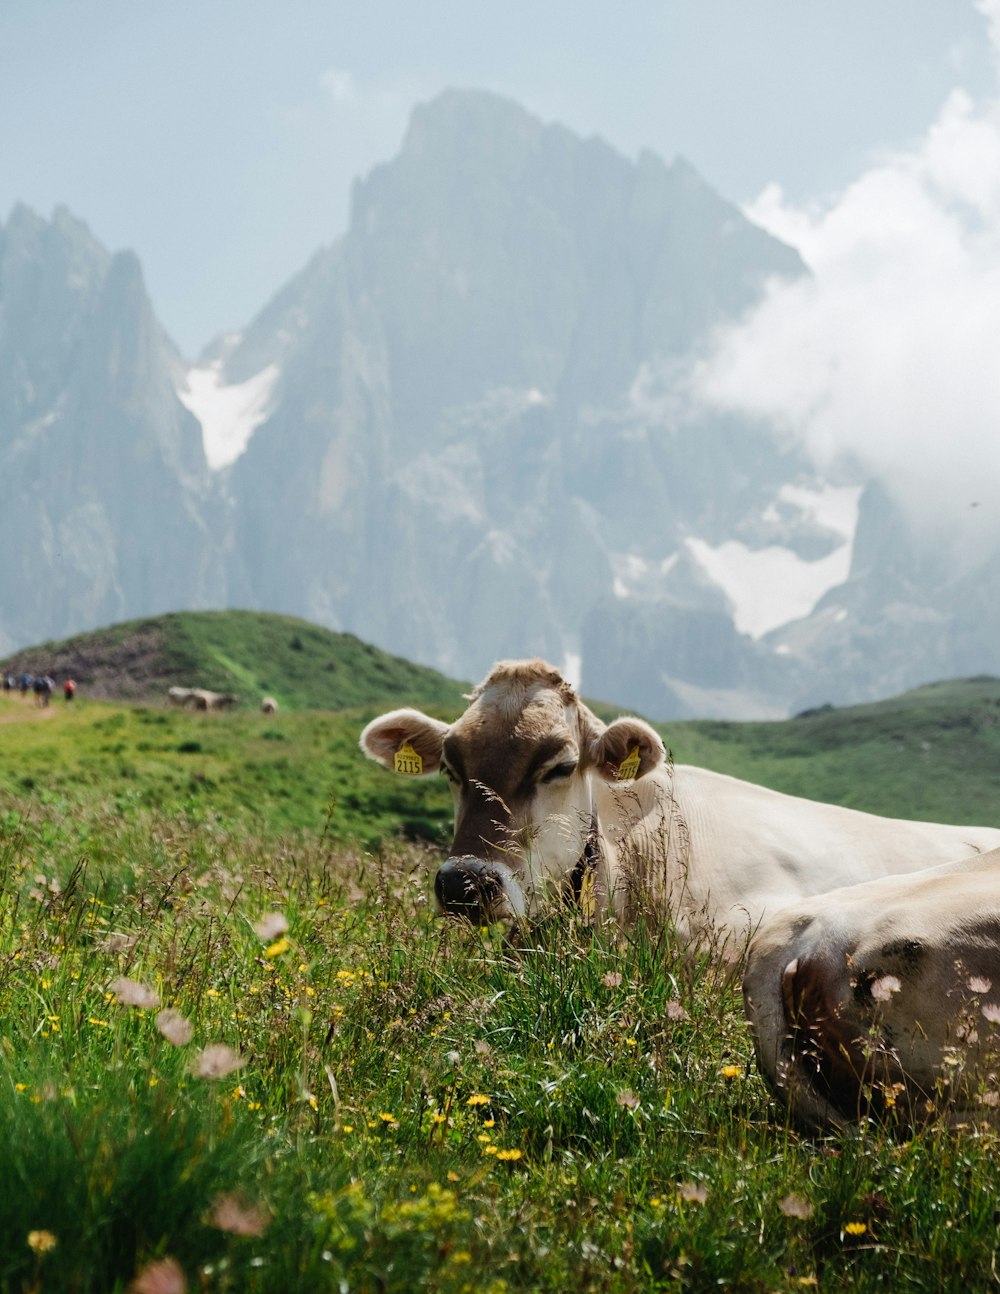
(229, 413)
(768, 587)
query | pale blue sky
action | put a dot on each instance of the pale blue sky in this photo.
(219, 138)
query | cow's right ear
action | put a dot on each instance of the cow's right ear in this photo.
(405, 741)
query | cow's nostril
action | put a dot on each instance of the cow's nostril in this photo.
(462, 890)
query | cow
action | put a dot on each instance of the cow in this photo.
(200, 698)
(549, 799)
(268, 705)
(204, 699)
(883, 998)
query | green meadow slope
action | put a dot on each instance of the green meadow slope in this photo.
(933, 753)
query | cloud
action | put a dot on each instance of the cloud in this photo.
(888, 352)
(339, 85)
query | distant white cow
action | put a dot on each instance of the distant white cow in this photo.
(200, 698)
(268, 705)
(883, 996)
(548, 796)
(207, 700)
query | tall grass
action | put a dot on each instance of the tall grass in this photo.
(401, 1103)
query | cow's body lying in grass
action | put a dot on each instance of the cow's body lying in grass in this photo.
(883, 996)
(547, 796)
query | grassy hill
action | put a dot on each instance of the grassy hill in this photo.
(249, 653)
(932, 753)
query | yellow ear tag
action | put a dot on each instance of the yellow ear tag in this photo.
(406, 760)
(629, 766)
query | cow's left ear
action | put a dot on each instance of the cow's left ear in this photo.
(626, 749)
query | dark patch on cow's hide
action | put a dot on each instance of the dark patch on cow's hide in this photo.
(908, 951)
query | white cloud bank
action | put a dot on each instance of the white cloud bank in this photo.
(890, 351)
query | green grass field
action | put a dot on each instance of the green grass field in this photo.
(346, 1093)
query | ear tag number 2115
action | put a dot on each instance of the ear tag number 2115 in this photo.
(406, 760)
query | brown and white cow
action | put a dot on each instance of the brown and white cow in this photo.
(884, 995)
(546, 795)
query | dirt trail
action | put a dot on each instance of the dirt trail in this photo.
(26, 711)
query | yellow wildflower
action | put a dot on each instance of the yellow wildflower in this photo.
(41, 1241)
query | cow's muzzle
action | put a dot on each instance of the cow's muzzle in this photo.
(482, 891)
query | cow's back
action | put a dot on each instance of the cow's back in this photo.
(735, 851)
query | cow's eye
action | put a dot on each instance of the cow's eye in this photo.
(450, 774)
(559, 772)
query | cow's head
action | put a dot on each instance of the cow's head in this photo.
(521, 762)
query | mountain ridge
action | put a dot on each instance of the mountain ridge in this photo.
(465, 430)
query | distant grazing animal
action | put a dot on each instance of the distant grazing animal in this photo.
(268, 705)
(884, 996)
(548, 797)
(200, 698)
(206, 700)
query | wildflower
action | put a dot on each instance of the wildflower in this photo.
(347, 1127)
(692, 1192)
(611, 979)
(979, 984)
(276, 949)
(270, 926)
(386, 1117)
(452, 1177)
(674, 1011)
(489, 1123)
(217, 1060)
(41, 1241)
(631, 1042)
(477, 1098)
(238, 1218)
(130, 992)
(627, 1099)
(164, 1276)
(174, 1027)
(855, 1228)
(794, 1206)
(991, 1012)
(729, 1072)
(510, 1156)
(883, 989)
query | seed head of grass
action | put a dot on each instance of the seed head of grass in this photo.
(175, 1027)
(217, 1060)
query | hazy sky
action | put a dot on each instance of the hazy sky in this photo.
(219, 138)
